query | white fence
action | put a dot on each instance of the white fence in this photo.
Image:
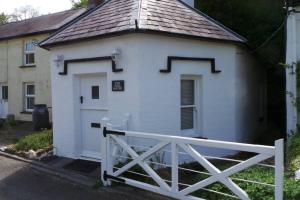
(112, 138)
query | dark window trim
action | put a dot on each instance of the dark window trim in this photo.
(26, 112)
(28, 66)
(110, 58)
(174, 58)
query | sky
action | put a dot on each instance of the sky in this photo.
(44, 6)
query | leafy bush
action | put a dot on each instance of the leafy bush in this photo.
(294, 152)
(35, 141)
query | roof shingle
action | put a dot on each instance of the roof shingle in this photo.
(41, 24)
(161, 16)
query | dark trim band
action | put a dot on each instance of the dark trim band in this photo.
(27, 66)
(174, 58)
(110, 58)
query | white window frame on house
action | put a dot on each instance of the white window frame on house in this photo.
(27, 96)
(196, 130)
(28, 52)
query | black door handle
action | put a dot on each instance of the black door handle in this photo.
(81, 99)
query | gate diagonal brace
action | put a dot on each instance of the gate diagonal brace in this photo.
(107, 132)
(106, 176)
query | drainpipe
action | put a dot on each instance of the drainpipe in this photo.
(291, 80)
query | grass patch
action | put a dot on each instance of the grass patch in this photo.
(294, 152)
(35, 141)
(255, 173)
(255, 191)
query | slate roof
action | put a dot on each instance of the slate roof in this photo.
(36, 25)
(115, 17)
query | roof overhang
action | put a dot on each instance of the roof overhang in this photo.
(27, 35)
(141, 31)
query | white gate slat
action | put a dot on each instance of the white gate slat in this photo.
(279, 169)
(155, 189)
(215, 173)
(228, 172)
(205, 143)
(140, 158)
(143, 164)
(174, 149)
(264, 152)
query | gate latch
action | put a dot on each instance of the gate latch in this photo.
(107, 132)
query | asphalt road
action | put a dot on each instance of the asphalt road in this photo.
(19, 181)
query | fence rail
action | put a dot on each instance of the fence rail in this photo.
(172, 187)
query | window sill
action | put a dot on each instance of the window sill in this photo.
(28, 66)
(26, 112)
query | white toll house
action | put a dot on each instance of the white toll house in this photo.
(160, 66)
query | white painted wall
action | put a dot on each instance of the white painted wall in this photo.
(153, 98)
(65, 98)
(251, 96)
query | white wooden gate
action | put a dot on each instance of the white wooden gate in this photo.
(171, 188)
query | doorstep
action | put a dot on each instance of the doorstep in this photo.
(55, 167)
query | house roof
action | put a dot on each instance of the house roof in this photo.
(115, 17)
(36, 25)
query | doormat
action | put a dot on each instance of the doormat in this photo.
(83, 166)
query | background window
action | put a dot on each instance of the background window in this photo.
(29, 100)
(187, 104)
(29, 53)
(5, 92)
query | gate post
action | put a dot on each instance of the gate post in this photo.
(279, 169)
(104, 140)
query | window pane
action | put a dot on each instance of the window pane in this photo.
(95, 92)
(30, 90)
(187, 92)
(5, 92)
(29, 58)
(29, 46)
(30, 103)
(187, 118)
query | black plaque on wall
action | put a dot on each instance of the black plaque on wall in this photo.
(118, 86)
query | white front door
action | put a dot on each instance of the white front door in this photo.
(3, 101)
(93, 107)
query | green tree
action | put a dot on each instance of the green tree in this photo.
(24, 12)
(256, 20)
(79, 3)
(4, 18)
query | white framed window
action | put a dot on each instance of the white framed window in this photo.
(187, 104)
(189, 107)
(29, 97)
(29, 56)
